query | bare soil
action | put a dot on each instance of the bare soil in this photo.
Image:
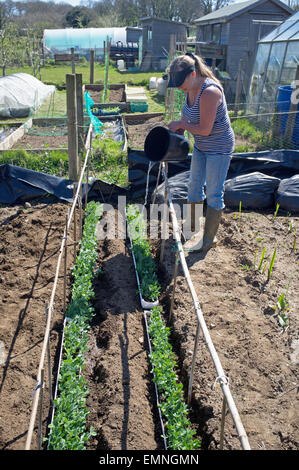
(47, 140)
(138, 127)
(29, 249)
(114, 96)
(257, 354)
(259, 357)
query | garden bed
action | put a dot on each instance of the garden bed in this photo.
(116, 93)
(258, 350)
(139, 125)
(29, 248)
(11, 133)
(258, 355)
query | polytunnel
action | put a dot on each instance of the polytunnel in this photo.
(60, 41)
(274, 71)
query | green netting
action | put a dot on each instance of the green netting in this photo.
(97, 124)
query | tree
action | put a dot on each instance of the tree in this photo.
(212, 5)
(12, 47)
(78, 17)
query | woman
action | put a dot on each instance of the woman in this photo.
(205, 116)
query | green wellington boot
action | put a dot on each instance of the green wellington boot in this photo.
(209, 240)
(196, 241)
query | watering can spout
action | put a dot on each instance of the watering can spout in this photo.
(163, 145)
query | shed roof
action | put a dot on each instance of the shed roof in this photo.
(230, 11)
(154, 18)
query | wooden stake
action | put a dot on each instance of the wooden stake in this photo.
(49, 360)
(91, 61)
(65, 264)
(238, 88)
(80, 113)
(72, 127)
(193, 363)
(75, 225)
(174, 284)
(164, 221)
(40, 416)
(86, 188)
(73, 60)
(223, 413)
(80, 212)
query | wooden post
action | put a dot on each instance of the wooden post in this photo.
(72, 127)
(73, 60)
(292, 116)
(91, 62)
(238, 88)
(80, 114)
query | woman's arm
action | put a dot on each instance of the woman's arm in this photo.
(209, 101)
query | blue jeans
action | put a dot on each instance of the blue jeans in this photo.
(208, 169)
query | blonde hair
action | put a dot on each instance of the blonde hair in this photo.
(184, 61)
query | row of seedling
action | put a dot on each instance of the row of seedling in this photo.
(68, 429)
(179, 432)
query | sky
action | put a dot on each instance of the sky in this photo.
(77, 2)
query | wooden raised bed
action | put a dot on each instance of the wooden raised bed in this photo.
(117, 95)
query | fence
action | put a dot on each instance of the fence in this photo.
(221, 378)
(38, 396)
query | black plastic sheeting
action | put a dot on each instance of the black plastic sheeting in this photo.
(18, 185)
(287, 195)
(254, 190)
(259, 180)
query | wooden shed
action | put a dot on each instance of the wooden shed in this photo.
(156, 34)
(229, 35)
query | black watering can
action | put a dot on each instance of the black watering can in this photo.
(163, 145)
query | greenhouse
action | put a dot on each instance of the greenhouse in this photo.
(275, 67)
(60, 41)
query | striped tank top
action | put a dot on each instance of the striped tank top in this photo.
(221, 138)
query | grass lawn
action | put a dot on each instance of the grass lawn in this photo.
(55, 74)
(55, 106)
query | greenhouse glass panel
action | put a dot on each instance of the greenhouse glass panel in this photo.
(272, 76)
(288, 33)
(280, 29)
(290, 64)
(296, 37)
(258, 76)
